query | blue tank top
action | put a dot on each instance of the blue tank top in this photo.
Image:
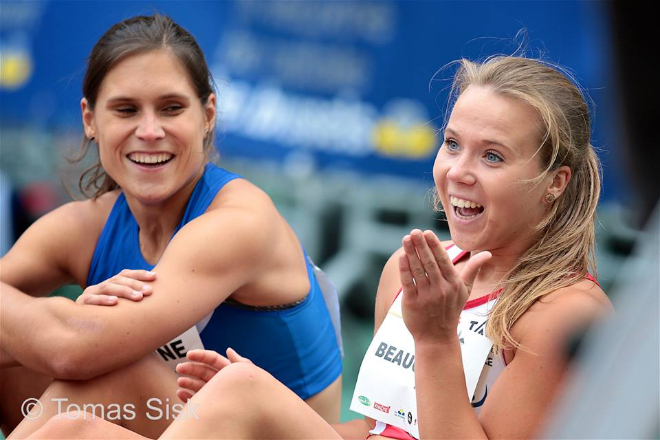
(295, 343)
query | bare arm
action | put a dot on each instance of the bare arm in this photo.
(56, 249)
(520, 397)
(42, 258)
(195, 274)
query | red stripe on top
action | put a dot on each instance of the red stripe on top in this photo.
(472, 303)
(594, 280)
(481, 300)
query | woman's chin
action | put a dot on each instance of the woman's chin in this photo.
(466, 243)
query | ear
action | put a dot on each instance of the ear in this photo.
(210, 112)
(87, 118)
(560, 178)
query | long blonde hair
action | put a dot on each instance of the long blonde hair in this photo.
(564, 253)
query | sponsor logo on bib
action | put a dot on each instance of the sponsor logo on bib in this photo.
(381, 407)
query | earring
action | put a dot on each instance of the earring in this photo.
(549, 198)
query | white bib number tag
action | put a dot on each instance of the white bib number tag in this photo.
(174, 352)
(385, 389)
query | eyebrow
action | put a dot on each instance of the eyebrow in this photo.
(117, 99)
(485, 141)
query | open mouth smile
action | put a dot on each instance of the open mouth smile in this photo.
(150, 159)
(465, 209)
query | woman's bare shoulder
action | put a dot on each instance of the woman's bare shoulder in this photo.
(564, 312)
(243, 194)
(76, 217)
(584, 297)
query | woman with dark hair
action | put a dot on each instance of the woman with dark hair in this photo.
(182, 254)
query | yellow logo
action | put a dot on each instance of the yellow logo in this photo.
(15, 69)
(413, 142)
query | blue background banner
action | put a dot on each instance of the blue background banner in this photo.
(333, 85)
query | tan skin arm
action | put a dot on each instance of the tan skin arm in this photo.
(56, 249)
(523, 393)
(195, 274)
(40, 261)
(518, 403)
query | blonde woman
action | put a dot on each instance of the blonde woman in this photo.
(518, 180)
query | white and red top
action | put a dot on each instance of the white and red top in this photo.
(385, 389)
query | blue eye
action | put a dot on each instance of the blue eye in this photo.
(493, 157)
(452, 145)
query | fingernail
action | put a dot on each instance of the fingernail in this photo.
(146, 288)
(136, 294)
(151, 273)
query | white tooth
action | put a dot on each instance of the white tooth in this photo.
(461, 203)
(473, 205)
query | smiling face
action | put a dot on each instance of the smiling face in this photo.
(150, 126)
(488, 152)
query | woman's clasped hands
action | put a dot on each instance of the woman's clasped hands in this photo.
(434, 291)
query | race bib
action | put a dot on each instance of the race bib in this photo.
(174, 352)
(385, 389)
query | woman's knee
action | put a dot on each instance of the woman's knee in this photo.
(240, 377)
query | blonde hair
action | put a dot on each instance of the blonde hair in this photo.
(564, 253)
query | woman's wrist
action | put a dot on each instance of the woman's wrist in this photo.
(435, 343)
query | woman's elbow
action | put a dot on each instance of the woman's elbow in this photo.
(66, 358)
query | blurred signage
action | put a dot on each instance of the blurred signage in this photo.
(339, 84)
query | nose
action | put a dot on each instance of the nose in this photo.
(462, 170)
(149, 128)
